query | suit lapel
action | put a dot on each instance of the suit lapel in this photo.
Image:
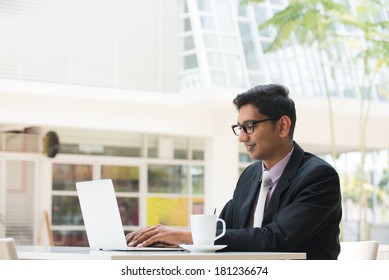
(247, 206)
(284, 182)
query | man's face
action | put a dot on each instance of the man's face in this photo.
(263, 142)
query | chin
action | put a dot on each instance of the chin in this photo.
(256, 156)
(253, 157)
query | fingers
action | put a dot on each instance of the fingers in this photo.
(157, 235)
(163, 236)
(153, 239)
(138, 237)
(133, 237)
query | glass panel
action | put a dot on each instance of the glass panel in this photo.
(308, 87)
(225, 18)
(248, 47)
(297, 89)
(265, 45)
(274, 70)
(190, 61)
(186, 26)
(215, 59)
(66, 210)
(275, 11)
(65, 176)
(293, 74)
(118, 144)
(277, 2)
(255, 79)
(234, 66)
(349, 93)
(204, 5)
(130, 145)
(122, 151)
(129, 210)
(218, 78)
(167, 211)
(334, 93)
(366, 93)
(230, 43)
(125, 178)
(188, 43)
(207, 23)
(167, 178)
(198, 205)
(210, 41)
(180, 147)
(242, 9)
(198, 148)
(382, 92)
(184, 7)
(285, 74)
(70, 238)
(152, 146)
(67, 148)
(261, 15)
(197, 179)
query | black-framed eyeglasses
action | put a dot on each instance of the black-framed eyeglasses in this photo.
(248, 127)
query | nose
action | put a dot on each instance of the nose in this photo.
(243, 136)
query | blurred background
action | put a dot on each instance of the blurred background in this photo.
(141, 92)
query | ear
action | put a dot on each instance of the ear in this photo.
(284, 126)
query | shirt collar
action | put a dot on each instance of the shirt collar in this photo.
(277, 170)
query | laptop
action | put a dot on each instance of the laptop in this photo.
(100, 211)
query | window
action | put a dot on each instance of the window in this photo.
(125, 178)
(190, 61)
(248, 46)
(188, 43)
(163, 188)
(65, 208)
(235, 70)
(65, 176)
(167, 179)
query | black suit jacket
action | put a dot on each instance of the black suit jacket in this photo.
(303, 214)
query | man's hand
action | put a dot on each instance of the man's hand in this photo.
(158, 235)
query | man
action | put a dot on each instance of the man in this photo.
(303, 205)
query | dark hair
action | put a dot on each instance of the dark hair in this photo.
(271, 100)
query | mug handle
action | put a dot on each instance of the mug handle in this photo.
(224, 228)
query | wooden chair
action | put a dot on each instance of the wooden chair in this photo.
(8, 249)
(358, 250)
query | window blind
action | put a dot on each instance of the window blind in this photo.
(120, 44)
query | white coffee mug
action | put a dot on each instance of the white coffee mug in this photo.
(203, 229)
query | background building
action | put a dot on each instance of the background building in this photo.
(141, 92)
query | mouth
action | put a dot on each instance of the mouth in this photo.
(250, 147)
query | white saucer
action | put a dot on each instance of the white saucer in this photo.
(202, 248)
